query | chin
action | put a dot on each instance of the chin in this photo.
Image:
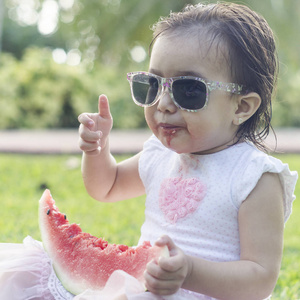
(176, 148)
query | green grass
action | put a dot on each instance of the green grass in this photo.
(24, 177)
(23, 180)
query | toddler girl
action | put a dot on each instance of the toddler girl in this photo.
(213, 196)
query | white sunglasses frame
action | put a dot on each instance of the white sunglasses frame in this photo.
(211, 85)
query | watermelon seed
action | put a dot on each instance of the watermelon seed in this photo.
(65, 217)
(48, 211)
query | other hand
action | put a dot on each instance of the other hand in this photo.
(166, 276)
(95, 127)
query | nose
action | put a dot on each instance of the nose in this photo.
(165, 102)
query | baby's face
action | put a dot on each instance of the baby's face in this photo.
(208, 130)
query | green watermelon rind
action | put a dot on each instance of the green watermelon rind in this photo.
(76, 255)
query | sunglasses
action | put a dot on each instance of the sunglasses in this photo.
(187, 92)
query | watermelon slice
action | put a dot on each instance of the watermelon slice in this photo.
(82, 261)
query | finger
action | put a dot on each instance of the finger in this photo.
(165, 240)
(93, 152)
(175, 261)
(171, 264)
(103, 107)
(89, 148)
(160, 287)
(89, 135)
(155, 271)
(86, 120)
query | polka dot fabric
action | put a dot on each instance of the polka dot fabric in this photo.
(207, 226)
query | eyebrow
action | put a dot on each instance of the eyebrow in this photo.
(183, 73)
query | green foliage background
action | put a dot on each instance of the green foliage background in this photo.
(35, 92)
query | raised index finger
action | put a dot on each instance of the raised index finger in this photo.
(103, 107)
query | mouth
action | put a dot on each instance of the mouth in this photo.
(168, 129)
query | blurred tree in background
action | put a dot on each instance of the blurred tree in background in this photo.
(59, 55)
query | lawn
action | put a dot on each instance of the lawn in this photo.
(24, 178)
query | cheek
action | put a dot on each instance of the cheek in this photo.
(204, 125)
(196, 121)
(212, 126)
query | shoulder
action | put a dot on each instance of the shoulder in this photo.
(250, 170)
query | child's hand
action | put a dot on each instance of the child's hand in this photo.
(95, 128)
(166, 276)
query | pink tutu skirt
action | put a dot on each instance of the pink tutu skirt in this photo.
(26, 273)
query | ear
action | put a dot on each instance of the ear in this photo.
(247, 105)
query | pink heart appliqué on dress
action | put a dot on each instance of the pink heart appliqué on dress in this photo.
(179, 197)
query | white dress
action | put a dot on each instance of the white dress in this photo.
(192, 198)
(195, 199)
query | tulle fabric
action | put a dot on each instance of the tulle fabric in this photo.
(26, 273)
(121, 286)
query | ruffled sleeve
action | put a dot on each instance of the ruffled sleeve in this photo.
(251, 172)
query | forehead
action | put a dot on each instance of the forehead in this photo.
(190, 52)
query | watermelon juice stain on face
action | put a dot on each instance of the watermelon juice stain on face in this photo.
(170, 137)
(169, 134)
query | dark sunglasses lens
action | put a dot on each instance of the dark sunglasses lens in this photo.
(189, 93)
(144, 88)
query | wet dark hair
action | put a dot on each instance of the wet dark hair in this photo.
(251, 51)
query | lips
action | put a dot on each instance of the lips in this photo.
(168, 129)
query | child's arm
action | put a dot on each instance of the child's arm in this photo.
(254, 276)
(104, 179)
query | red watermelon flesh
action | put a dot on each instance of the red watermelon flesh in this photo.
(82, 261)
